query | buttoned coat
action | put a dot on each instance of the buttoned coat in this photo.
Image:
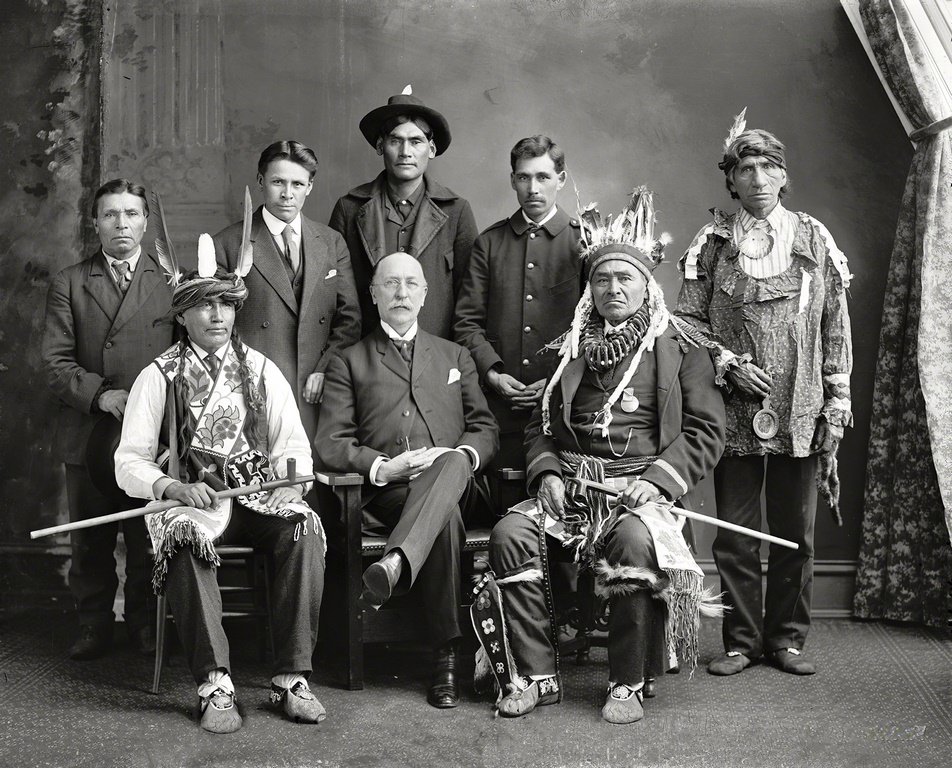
(519, 294)
(95, 337)
(690, 420)
(300, 338)
(369, 389)
(442, 240)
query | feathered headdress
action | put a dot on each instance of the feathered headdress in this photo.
(629, 238)
(208, 281)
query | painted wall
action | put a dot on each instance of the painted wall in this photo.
(44, 161)
(636, 91)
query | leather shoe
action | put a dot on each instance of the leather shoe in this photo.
(444, 687)
(143, 640)
(380, 579)
(790, 660)
(649, 690)
(93, 642)
(729, 663)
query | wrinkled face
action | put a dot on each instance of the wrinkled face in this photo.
(398, 290)
(618, 290)
(209, 324)
(406, 152)
(537, 184)
(120, 223)
(285, 186)
(757, 182)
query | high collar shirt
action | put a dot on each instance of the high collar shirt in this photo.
(782, 227)
(410, 335)
(132, 261)
(541, 221)
(276, 228)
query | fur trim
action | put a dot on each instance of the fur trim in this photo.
(613, 580)
(712, 604)
(533, 574)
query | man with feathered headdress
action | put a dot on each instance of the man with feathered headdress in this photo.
(211, 412)
(768, 288)
(633, 404)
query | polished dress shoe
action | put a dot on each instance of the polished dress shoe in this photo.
(380, 579)
(93, 642)
(143, 640)
(444, 688)
(650, 688)
(790, 660)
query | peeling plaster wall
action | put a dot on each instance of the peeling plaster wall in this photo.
(50, 105)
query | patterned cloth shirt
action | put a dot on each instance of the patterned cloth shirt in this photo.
(794, 325)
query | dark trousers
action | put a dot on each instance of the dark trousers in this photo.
(636, 624)
(297, 585)
(92, 571)
(791, 513)
(423, 521)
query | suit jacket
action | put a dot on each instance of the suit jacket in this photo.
(519, 294)
(690, 420)
(369, 388)
(94, 338)
(300, 338)
(442, 240)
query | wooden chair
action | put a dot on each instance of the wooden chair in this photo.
(353, 548)
(256, 605)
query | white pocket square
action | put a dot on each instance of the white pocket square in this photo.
(331, 274)
(454, 375)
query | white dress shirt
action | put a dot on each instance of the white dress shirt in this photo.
(137, 471)
(541, 221)
(132, 261)
(276, 228)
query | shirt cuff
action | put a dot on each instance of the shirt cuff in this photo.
(160, 486)
(373, 471)
(473, 455)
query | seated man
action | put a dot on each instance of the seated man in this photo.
(635, 402)
(403, 408)
(227, 416)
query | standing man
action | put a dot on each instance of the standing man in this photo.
(524, 278)
(303, 305)
(768, 286)
(241, 426)
(405, 210)
(101, 330)
(403, 408)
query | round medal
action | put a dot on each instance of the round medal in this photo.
(629, 401)
(766, 422)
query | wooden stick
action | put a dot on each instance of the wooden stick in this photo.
(611, 491)
(170, 504)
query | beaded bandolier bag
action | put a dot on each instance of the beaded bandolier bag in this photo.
(590, 515)
(215, 426)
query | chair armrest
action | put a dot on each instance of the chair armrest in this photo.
(507, 473)
(338, 479)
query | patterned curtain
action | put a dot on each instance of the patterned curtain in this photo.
(905, 557)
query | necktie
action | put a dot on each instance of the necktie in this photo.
(290, 249)
(214, 364)
(758, 242)
(405, 348)
(123, 275)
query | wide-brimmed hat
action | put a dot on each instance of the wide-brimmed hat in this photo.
(100, 457)
(406, 104)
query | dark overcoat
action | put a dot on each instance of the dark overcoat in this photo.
(690, 420)
(519, 294)
(442, 240)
